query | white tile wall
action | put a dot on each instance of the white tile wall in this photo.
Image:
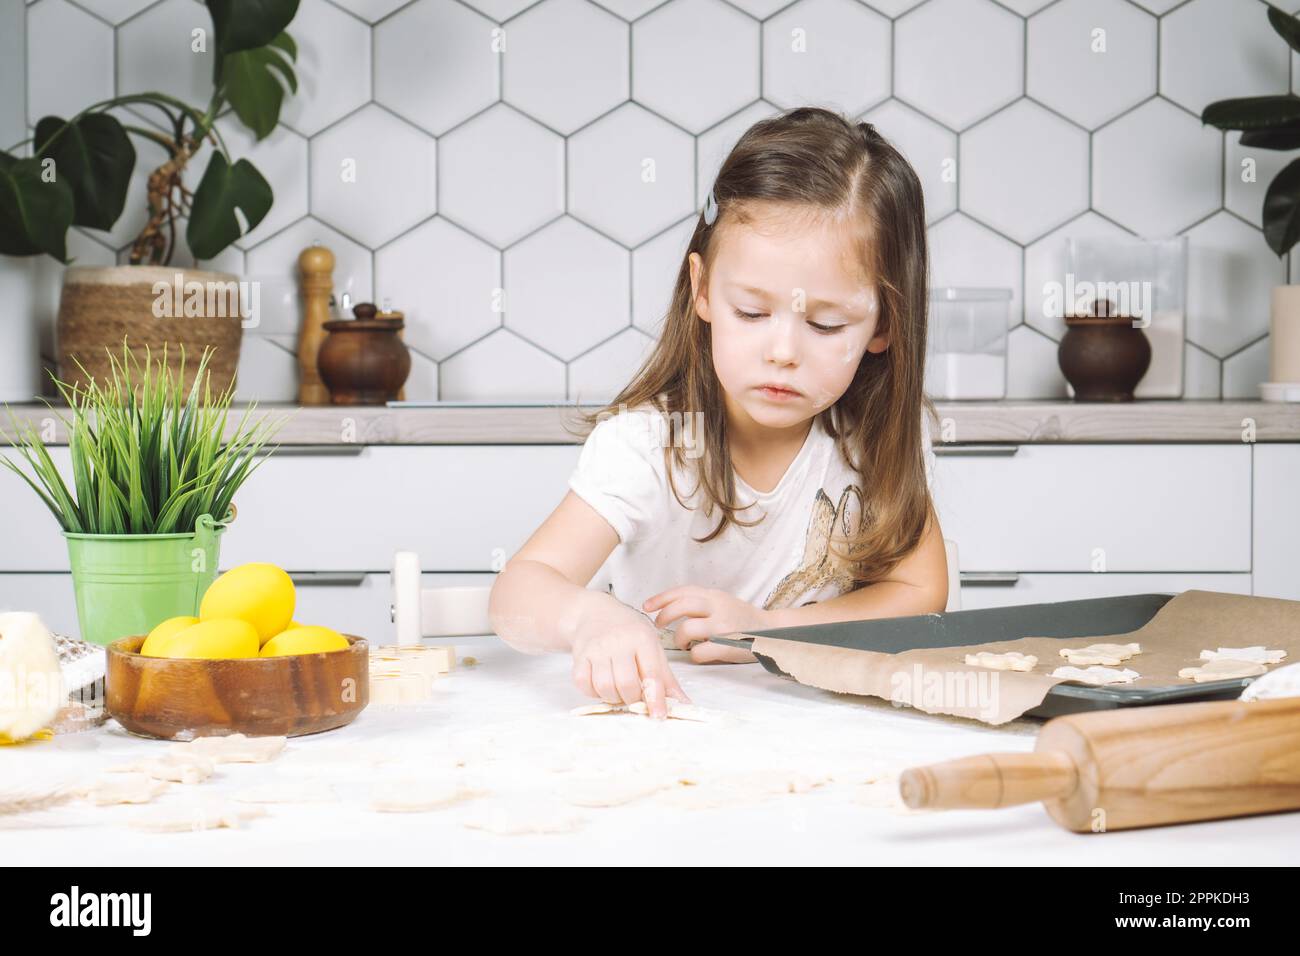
(528, 171)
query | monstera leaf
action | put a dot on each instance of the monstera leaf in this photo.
(223, 189)
(252, 86)
(35, 209)
(94, 156)
(248, 24)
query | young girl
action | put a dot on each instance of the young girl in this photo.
(769, 464)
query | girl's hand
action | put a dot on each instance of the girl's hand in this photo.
(708, 611)
(617, 657)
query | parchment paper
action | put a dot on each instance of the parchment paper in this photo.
(938, 681)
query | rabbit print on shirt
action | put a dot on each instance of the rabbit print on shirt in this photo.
(820, 565)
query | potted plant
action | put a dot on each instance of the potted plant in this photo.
(153, 482)
(78, 175)
(1273, 122)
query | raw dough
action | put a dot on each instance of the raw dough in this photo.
(610, 790)
(418, 795)
(1222, 669)
(1108, 654)
(1256, 655)
(209, 814)
(287, 791)
(176, 766)
(124, 788)
(1097, 675)
(1009, 661)
(1283, 682)
(235, 748)
(676, 710)
(519, 818)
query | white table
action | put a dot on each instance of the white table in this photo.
(523, 694)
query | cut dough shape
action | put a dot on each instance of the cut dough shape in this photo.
(174, 766)
(1097, 675)
(1222, 669)
(124, 788)
(1256, 655)
(676, 710)
(287, 791)
(610, 790)
(1108, 654)
(419, 795)
(601, 707)
(235, 748)
(1009, 661)
(210, 814)
(524, 817)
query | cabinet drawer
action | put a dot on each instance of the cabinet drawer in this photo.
(1045, 588)
(1059, 507)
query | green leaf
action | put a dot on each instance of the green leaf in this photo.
(34, 213)
(1253, 112)
(247, 24)
(1282, 209)
(254, 89)
(1285, 26)
(223, 189)
(95, 157)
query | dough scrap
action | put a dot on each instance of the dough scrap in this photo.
(1222, 668)
(1108, 654)
(1097, 675)
(415, 795)
(610, 790)
(174, 766)
(287, 791)
(1009, 661)
(1256, 655)
(124, 788)
(210, 814)
(524, 817)
(235, 748)
(677, 710)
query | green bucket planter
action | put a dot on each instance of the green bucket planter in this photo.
(125, 584)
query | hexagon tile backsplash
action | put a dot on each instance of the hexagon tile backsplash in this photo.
(480, 170)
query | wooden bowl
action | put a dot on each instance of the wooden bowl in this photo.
(180, 699)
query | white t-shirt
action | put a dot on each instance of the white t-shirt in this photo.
(781, 562)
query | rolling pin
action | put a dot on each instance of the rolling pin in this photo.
(1138, 767)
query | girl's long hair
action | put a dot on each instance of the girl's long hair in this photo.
(815, 159)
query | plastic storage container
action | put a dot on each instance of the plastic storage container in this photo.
(966, 354)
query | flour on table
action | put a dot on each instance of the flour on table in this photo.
(609, 789)
(1108, 654)
(287, 791)
(1222, 668)
(235, 748)
(208, 814)
(1009, 661)
(524, 817)
(173, 766)
(1256, 655)
(1097, 675)
(124, 788)
(416, 795)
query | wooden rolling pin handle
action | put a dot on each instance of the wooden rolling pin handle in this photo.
(988, 781)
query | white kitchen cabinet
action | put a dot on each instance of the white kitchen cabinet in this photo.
(1067, 507)
(1277, 521)
(352, 603)
(1003, 590)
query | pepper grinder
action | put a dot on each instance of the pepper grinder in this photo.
(317, 266)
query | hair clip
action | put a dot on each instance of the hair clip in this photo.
(710, 209)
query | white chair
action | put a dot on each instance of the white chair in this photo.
(419, 612)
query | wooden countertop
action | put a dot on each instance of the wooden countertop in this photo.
(1016, 422)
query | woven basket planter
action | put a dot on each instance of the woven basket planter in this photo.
(99, 307)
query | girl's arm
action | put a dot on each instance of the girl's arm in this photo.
(540, 598)
(917, 585)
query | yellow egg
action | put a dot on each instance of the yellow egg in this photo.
(311, 639)
(260, 594)
(155, 644)
(210, 640)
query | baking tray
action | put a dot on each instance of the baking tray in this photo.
(1090, 617)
